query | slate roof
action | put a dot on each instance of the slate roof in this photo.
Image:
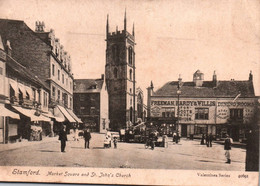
(229, 89)
(13, 66)
(88, 85)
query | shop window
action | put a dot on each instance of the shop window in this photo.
(236, 114)
(168, 112)
(202, 113)
(200, 129)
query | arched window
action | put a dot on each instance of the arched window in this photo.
(130, 74)
(130, 55)
(115, 73)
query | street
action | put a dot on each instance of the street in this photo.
(187, 155)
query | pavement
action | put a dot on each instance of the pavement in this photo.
(188, 155)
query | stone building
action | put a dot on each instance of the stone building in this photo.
(120, 76)
(42, 53)
(202, 107)
(24, 97)
(91, 103)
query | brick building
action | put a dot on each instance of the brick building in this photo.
(121, 77)
(202, 107)
(91, 103)
(44, 55)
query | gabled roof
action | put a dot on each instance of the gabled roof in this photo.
(228, 89)
(88, 85)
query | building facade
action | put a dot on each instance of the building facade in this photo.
(204, 107)
(120, 76)
(25, 99)
(91, 103)
(42, 53)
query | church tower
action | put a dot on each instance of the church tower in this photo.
(120, 76)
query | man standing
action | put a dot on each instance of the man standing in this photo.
(63, 138)
(87, 138)
(210, 139)
(227, 147)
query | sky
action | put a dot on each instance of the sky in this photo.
(173, 36)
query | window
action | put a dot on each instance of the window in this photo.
(202, 113)
(53, 69)
(130, 91)
(45, 99)
(70, 102)
(236, 114)
(130, 55)
(200, 129)
(70, 86)
(130, 74)
(1, 71)
(53, 92)
(168, 112)
(66, 81)
(58, 94)
(58, 74)
(63, 78)
(115, 72)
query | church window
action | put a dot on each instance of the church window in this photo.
(130, 74)
(130, 55)
(115, 73)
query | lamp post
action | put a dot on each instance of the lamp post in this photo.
(178, 109)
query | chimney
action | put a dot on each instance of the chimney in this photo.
(102, 76)
(39, 26)
(214, 79)
(250, 76)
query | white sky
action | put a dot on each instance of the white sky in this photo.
(173, 36)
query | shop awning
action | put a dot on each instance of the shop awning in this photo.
(50, 115)
(22, 89)
(8, 113)
(30, 113)
(13, 85)
(74, 116)
(66, 114)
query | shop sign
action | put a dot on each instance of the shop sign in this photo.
(235, 104)
(185, 103)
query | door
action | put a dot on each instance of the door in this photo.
(184, 130)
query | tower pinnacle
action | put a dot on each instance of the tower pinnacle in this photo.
(125, 21)
(107, 24)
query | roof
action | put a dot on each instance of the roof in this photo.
(88, 85)
(15, 67)
(223, 89)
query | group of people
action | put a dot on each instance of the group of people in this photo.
(63, 138)
(227, 144)
(109, 139)
(209, 139)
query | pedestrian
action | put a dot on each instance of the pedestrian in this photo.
(115, 142)
(202, 139)
(210, 139)
(76, 133)
(63, 138)
(227, 148)
(174, 137)
(177, 138)
(87, 137)
(207, 140)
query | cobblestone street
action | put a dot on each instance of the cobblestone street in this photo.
(188, 155)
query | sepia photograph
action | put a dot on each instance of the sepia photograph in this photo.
(146, 92)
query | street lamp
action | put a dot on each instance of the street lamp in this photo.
(178, 109)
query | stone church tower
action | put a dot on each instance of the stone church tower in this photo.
(120, 76)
